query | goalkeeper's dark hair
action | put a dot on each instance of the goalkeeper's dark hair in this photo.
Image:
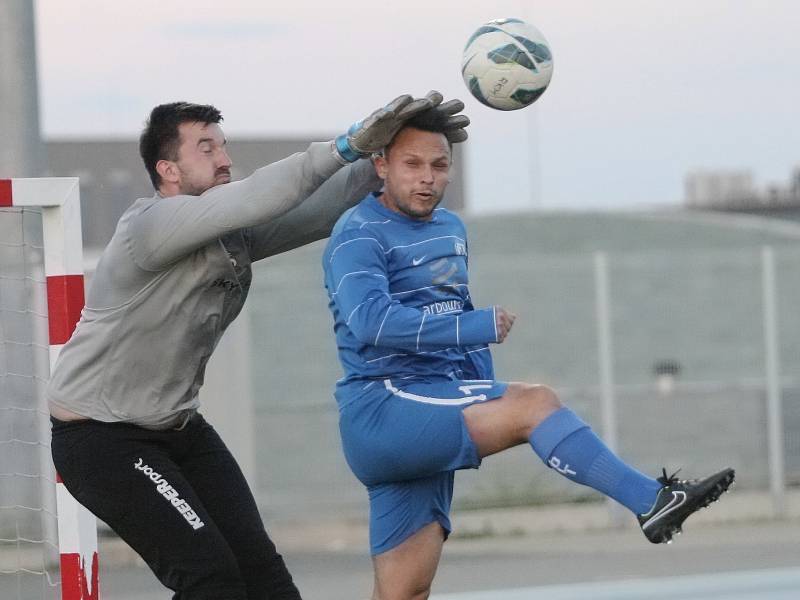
(431, 120)
(160, 138)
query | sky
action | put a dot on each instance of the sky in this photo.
(642, 92)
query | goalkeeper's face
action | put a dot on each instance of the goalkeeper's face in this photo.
(415, 171)
(203, 160)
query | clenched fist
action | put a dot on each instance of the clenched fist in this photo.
(504, 320)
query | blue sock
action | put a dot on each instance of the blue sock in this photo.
(568, 445)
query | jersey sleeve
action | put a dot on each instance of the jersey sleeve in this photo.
(356, 276)
(313, 219)
(178, 225)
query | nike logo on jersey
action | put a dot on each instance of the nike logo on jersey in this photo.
(417, 261)
(678, 498)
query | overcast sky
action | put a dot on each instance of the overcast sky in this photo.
(642, 91)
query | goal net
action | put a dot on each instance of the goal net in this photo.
(48, 543)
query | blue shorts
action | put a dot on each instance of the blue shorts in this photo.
(403, 441)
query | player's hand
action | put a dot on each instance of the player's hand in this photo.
(377, 130)
(504, 321)
(456, 123)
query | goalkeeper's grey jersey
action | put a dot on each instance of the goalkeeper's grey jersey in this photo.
(177, 272)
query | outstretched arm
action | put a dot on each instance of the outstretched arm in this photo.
(178, 225)
(314, 218)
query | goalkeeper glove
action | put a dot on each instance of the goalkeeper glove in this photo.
(377, 130)
(455, 124)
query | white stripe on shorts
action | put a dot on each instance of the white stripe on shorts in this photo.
(440, 401)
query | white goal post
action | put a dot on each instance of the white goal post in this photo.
(58, 198)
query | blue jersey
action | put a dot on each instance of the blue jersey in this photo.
(398, 291)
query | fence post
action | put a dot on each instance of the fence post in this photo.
(605, 352)
(772, 362)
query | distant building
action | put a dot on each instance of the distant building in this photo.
(112, 175)
(718, 188)
(734, 190)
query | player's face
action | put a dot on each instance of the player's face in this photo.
(203, 160)
(415, 173)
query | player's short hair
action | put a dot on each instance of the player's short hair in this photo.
(431, 120)
(160, 138)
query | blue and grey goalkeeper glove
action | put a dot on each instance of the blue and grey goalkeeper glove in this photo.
(377, 130)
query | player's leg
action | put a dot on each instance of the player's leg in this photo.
(408, 522)
(508, 421)
(406, 571)
(403, 445)
(126, 476)
(220, 484)
(533, 414)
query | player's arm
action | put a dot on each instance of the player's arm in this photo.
(178, 225)
(357, 283)
(314, 218)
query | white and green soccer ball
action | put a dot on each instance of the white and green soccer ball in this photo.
(507, 64)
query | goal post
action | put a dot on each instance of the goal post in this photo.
(58, 198)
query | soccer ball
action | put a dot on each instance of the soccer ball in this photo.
(507, 64)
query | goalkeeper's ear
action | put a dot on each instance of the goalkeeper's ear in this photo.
(168, 171)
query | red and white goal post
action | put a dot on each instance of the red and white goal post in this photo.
(58, 198)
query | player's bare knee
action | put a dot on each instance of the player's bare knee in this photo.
(538, 396)
(539, 402)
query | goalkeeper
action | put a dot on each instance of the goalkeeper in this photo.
(128, 440)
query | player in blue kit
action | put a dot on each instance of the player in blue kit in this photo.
(419, 398)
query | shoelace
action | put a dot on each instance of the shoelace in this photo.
(664, 480)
